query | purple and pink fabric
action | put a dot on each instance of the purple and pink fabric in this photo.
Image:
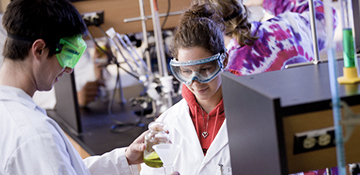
(284, 39)
(333, 171)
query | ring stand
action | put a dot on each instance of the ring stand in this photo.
(350, 76)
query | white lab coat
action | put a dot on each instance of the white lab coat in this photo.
(191, 160)
(33, 143)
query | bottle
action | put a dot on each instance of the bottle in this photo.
(157, 135)
(349, 52)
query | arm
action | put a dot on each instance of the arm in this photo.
(113, 162)
(299, 9)
(118, 160)
(276, 7)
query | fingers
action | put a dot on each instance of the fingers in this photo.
(175, 173)
(138, 144)
(141, 138)
(134, 153)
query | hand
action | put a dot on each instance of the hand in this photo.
(254, 3)
(89, 92)
(175, 173)
(134, 153)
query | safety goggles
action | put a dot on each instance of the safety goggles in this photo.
(69, 50)
(202, 71)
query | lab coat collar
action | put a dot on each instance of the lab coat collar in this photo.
(189, 134)
(15, 94)
(220, 141)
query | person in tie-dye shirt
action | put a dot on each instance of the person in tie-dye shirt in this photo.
(256, 47)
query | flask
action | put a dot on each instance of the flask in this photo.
(157, 135)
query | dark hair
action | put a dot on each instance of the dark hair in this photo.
(199, 26)
(237, 21)
(29, 20)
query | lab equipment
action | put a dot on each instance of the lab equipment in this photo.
(334, 89)
(157, 135)
(167, 154)
(158, 86)
(158, 38)
(350, 61)
(348, 39)
(162, 99)
(141, 70)
(69, 50)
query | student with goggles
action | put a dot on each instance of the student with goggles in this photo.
(197, 122)
(44, 42)
(88, 75)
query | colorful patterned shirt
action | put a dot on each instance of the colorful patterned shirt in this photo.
(283, 40)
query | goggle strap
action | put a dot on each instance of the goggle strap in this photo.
(173, 62)
(18, 37)
(58, 48)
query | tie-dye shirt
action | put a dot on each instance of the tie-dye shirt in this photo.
(284, 39)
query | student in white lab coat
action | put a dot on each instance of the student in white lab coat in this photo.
(198, 122)
(88, 81)
(44, 42)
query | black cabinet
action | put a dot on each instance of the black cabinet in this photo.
(281, 122)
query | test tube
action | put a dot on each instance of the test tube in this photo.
(348, 38)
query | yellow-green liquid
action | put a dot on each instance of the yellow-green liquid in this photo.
(155, 163)
(153, 160)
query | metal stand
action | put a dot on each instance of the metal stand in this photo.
(143, 25)
(157, 32)
(160, 51)
(328, 171)
(313, 30)
(314, 36)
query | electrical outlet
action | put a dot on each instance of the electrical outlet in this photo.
(93, 18)
(314, 140)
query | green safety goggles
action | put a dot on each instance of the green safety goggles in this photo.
(69, 50)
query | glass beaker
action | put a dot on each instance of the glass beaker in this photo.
(157, 135)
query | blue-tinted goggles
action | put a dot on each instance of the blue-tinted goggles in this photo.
(202, 71)
(69, 50)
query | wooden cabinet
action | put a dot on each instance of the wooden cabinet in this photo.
(115, 11)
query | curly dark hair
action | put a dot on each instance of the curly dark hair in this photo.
(199, 26)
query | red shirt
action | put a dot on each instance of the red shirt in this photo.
(201, 120)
